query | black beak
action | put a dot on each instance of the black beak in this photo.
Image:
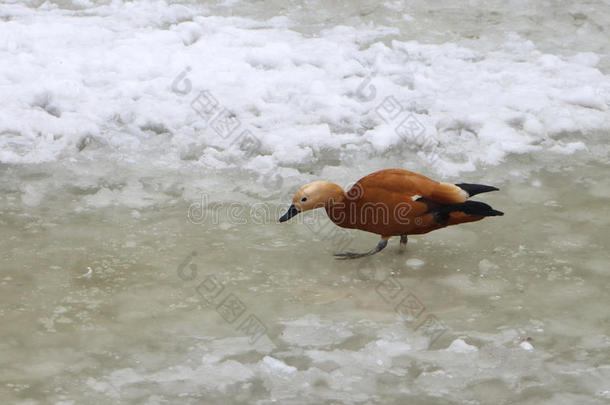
(292, 211)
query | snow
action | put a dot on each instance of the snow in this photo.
(526, 346)
(109, 80)
(276, 366)
(460, 346)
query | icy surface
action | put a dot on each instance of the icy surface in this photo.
(140, 256)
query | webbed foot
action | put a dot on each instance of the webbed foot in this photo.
(351, 255)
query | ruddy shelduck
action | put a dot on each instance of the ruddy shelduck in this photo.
(393, 202)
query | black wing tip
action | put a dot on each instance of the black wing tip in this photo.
(475, 208)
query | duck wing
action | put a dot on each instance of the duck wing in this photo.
(403, 185)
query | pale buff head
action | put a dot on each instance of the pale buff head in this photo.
(313, 195)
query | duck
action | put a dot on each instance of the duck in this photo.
(393, 202)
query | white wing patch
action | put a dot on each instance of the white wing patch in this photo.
(416, 197)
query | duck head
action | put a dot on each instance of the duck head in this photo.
(314, 195)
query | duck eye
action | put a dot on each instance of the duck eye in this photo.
(304, 199)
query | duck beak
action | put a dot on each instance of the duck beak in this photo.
(292, 211)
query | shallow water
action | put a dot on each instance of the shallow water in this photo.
(119, 259)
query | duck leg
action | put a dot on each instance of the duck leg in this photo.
(403, 241)
(351, 255)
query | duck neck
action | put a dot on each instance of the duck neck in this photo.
(335, 206)
(334, 195)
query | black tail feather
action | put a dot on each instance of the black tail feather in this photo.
(474, 189)
(474, 208)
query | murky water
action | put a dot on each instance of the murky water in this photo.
(127, 283)
(104, 304)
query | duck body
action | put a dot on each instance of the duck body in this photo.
(393, 202)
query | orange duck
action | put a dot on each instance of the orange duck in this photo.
(393, 202)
